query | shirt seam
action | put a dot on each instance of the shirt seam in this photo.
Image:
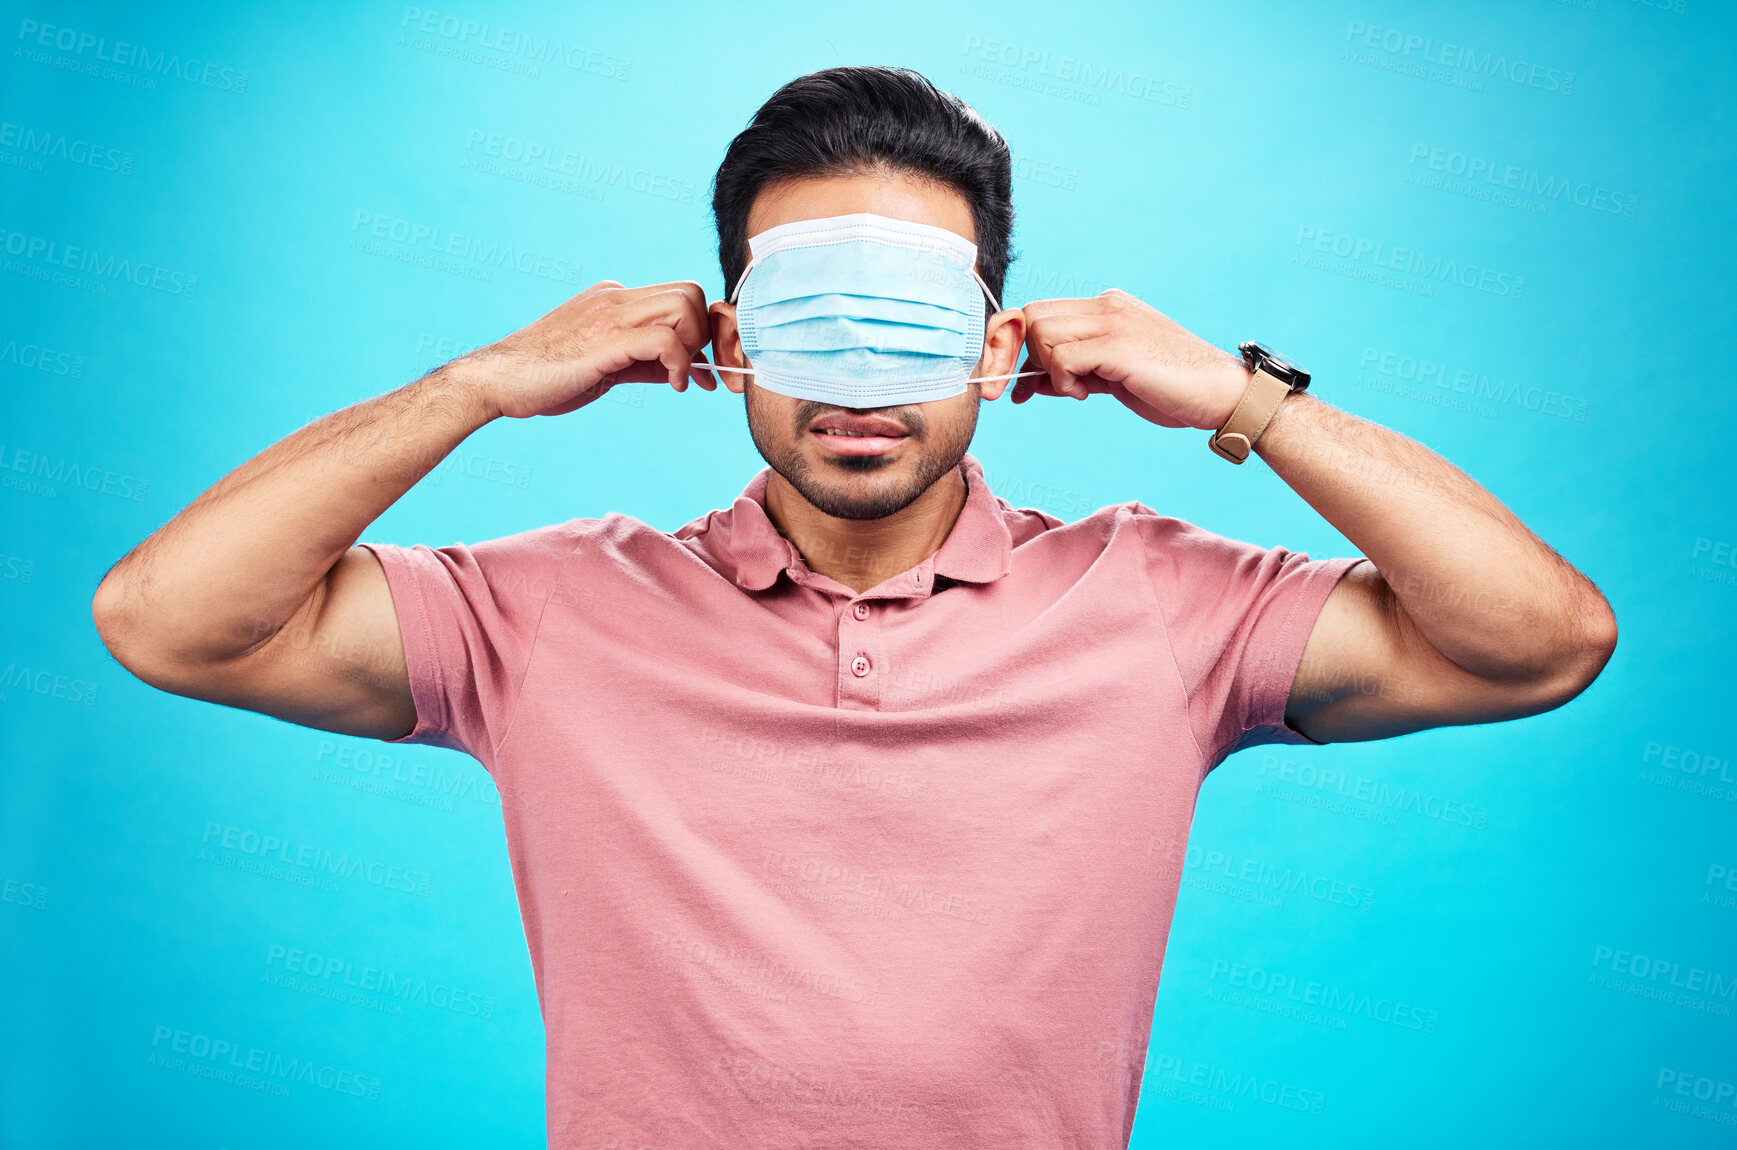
(432, 642)
(1170, 649)
(1319, 569)
(530, 654)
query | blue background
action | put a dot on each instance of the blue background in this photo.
(1207, 157)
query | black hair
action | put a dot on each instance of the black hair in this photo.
(841, 121)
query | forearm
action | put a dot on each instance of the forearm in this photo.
(228, 571)
(1477, 585)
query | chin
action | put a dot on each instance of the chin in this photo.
(878, 488)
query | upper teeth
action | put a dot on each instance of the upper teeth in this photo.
(840, 431)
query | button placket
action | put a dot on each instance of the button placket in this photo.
(858, 674)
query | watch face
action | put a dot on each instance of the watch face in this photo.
(1276, 365)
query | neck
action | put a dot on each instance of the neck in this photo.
(863, 553)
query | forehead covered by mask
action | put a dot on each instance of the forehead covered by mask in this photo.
(861, 311)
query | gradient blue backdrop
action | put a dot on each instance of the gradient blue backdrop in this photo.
(1502, 228)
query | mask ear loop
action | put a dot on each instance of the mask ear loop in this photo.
(714, 368)
(717, 367)
(997, 305)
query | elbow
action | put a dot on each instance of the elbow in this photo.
(1584, 653)
(118, 616)
(112, 614)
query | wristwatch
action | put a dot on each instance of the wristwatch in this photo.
(1274, 378)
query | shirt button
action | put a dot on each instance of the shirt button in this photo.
(859, 666)
(860, 610)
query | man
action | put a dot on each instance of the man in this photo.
(830, 814)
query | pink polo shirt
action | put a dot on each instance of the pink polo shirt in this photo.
(806, 868)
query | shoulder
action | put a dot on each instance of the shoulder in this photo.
(1174, 550)
(545, 547)
(1132, 518)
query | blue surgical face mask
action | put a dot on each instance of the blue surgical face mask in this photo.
(862, 311)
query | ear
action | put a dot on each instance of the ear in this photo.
(1003, 337)
(727, 345)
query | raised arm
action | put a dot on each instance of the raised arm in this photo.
(256, 596)
(1460, 615)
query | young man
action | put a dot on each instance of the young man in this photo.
(830, 814)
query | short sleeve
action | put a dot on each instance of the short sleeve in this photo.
(1238, 616)
(468, 616)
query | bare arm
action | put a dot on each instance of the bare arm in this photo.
(255, 596)
(1460, 614)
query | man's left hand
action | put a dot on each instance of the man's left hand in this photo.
(1117, 344)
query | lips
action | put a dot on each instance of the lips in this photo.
(843, 433)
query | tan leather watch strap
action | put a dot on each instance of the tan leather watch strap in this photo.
(1236, 439)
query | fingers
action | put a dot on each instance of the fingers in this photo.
(1091, 305)
(678, 307)
(1074, 368)
(1052, 331)
(671, 308)
(637, 354)
(707, 380)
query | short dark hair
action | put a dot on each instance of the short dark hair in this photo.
(842, 121)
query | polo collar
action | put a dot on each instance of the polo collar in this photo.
(979, 549)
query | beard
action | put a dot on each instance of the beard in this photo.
(938, 450)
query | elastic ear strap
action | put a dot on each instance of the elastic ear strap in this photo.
(973, 379)
(986, 290)
(1014, 375)
(741, 279)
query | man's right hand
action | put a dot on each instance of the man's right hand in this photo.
(605, 335)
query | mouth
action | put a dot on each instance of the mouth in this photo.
(842, 433)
